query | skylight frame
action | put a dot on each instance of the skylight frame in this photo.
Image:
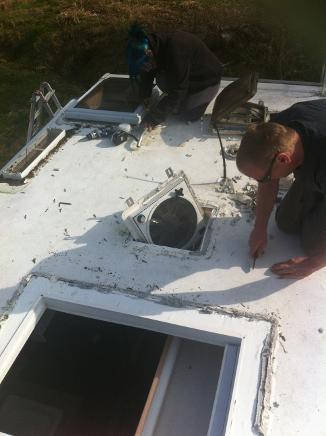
(104, 116)
(240, 385)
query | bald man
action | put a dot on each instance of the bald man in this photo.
(294, 141)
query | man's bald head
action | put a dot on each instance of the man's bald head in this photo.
(262, 142)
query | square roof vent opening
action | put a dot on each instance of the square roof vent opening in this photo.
(170, 216)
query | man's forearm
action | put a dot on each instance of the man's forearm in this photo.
(161, 111)
(146, 85)
(266, 198)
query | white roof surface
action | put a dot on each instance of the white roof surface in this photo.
(86, 242)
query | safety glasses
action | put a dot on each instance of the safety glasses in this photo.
(268, 176)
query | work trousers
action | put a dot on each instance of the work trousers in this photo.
(194, 105)
(303, 211)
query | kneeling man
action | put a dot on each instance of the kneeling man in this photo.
(294, 141)
(184, 68)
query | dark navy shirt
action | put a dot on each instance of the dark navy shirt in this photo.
(308, 119)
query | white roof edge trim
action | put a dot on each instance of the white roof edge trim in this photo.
(54, 123)
(278, 82)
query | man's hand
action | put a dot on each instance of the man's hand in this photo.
(150, 126)
(146, 102)
(149, 122)
(298, 267)
(258, 242)
(266, 197)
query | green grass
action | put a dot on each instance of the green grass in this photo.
(72, 43)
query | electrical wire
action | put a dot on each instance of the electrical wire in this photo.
(130, 135)
(222, 152)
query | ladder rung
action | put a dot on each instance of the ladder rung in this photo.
(39, 102)
(49, 94)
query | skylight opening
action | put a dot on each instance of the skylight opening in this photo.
(81, 376)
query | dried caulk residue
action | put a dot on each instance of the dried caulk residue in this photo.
(235, 204)
(231, 150)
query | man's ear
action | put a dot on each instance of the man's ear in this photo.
(284, 158)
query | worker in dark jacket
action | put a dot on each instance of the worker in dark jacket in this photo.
(185, 70)
(294, 141)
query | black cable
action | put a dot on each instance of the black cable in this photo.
(222, 152)
(131, 135)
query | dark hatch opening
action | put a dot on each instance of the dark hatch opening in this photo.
(93, 377)
(113, 94)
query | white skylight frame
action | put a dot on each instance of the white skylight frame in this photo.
(244, 339)
(104, 116)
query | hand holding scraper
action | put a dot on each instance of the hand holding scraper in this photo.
(254, 260)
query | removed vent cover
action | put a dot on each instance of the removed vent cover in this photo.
(232, 109)
(169, 215)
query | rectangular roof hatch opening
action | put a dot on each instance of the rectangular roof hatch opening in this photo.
(115, 94)
(199, 372)
(81, 376)
(113, 99)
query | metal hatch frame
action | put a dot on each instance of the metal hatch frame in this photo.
(232, 111)
(36, 150)
(104, 116)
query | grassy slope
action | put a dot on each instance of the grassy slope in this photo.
(72, 43)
